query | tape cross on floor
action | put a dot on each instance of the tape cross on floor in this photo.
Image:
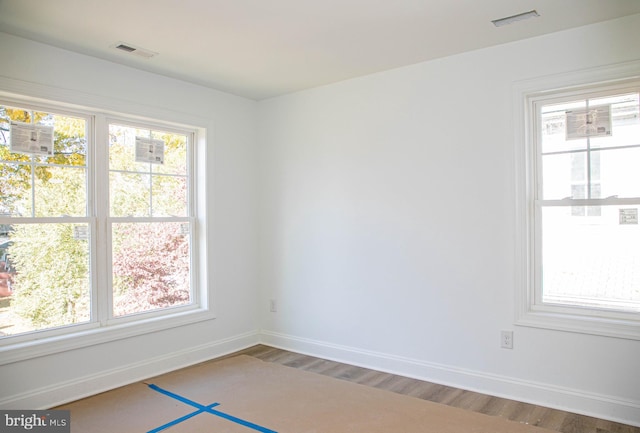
(202, 409)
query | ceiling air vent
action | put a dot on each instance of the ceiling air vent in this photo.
(136, 51)
(512, 19)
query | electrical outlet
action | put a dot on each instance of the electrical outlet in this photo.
(273, 306)
(506, 339)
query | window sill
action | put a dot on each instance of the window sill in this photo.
(581, 323)
(21, 351)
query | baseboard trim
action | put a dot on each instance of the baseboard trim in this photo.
(61, 393)
(590, 404)
(541, 394)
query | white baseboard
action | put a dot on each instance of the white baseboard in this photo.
(590, 404)
(61, 393)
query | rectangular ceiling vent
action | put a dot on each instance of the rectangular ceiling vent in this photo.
(136, 51)
(512, 19)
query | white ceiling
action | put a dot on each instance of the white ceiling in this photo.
(265, 48)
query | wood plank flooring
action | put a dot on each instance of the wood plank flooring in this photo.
(551, 419)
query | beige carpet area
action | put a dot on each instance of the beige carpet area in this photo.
(244, 395)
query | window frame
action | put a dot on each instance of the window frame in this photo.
(528, 97)
(103, 327)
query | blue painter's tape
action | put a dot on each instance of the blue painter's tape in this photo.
(176, 421)
(184, 418)
(202, 409)
(178, 397)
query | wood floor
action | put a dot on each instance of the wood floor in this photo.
(551, 419)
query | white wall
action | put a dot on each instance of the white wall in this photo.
(384, 211)
(387, 226)
(44, 71)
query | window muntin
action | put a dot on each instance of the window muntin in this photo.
(51, 209)
(585, 255)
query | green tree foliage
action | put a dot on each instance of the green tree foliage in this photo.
(53, 262)
(51, 284)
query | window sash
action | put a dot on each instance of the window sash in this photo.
(194, 297)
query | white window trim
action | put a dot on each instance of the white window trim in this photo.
(529, 312)
(47, 342)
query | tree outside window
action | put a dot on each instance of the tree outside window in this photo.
(50, 214)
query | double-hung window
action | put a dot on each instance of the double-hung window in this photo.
(98, 224)
(582, 155)
(149, 220)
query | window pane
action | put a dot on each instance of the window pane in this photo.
(169, 196)
(129, 194)
(15, 190)
(554, 128)
(625, 121)
(122, 149)
(150, 266)
(592, 262)
(44, 276)
(70, 144)
(60, 191)
(559, 172)
(175, 154)
(620, 172)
